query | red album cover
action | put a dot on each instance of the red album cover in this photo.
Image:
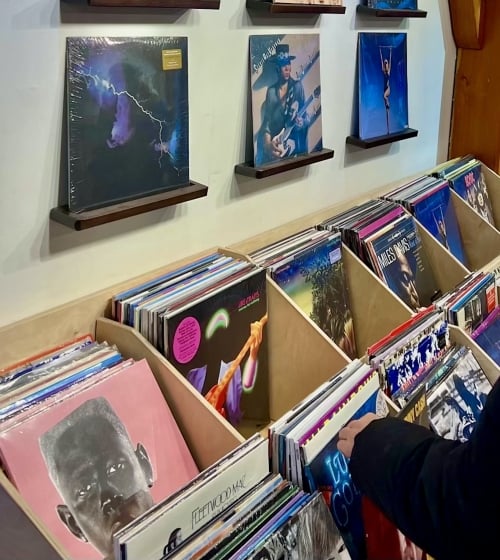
(92, 462)
(384, 541)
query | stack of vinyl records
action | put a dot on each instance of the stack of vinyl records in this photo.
(429, 200)
(386, 238)
(90, 443)
(469, 303)
(234, 509)
(309, 267)
(418, 359)
(467, 179)
(403, 356)
(208, 319)
(304, 445)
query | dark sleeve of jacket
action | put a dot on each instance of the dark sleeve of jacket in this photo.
(444, 495)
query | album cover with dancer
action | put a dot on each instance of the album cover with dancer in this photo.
(286, 96)
(382, 84)
(435, 211)
(127, 118)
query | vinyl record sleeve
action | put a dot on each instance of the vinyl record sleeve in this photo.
(383, 84)
(127, 105)
(102, 456)
(391, 4)
(286, 96)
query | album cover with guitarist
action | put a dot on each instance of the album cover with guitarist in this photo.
(286, 96)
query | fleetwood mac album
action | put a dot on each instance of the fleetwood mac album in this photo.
(382, 84)
(286, 96)
(127, 118)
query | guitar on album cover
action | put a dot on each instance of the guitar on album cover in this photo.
(282, 142)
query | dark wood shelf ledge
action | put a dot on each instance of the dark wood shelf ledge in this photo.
(275, 8)
(100, 216)
(381, 140)
(177, 4)
(387, 12)
(249, 170)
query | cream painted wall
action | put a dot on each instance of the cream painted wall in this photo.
(43, 264)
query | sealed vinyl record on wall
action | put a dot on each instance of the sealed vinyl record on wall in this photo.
(382, 83)
(128, 130)
(286, 96)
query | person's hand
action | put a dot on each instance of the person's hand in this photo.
(351, 430)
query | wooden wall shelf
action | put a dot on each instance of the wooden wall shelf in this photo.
(100, 216)
(175, 4)
(274, 8)
(381, 140)
(248, 169)
(380, 12)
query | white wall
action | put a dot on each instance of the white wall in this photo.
(43, 264)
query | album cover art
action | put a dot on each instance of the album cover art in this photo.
(456, 403)
(219, 344)
(471, 186)
(92, 462)
(329, 474)
(382, 84)
(286, 96)
(437, 214)
(127, 118)
(404, 265)
(487, 335)
(392, 4)
(315, 280)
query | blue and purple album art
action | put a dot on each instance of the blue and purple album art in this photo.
(128, 133)
(383, 84)
(393, 4)
(286, 96)
(437, 214)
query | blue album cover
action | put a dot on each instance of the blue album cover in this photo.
(416, 357)
(286, 96)
(487, 335)
(382, 84)
(405, 266)
(329, 474)
(127, 118)
(437, 214)
(392, 4)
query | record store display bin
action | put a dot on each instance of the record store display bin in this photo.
(301, 356)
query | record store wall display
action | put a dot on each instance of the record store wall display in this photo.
(127, 118)
(382, 84)
(286, 96)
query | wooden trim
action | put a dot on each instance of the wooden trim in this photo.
(272, 7)
(122, 210)
(263, 171)
(366, 143)
(481, 241)
(467, 22)
(379, 12)
(208, 435)
(173, 4)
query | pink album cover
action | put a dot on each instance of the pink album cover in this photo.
(93, 462)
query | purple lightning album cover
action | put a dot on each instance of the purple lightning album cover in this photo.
(128, 133)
